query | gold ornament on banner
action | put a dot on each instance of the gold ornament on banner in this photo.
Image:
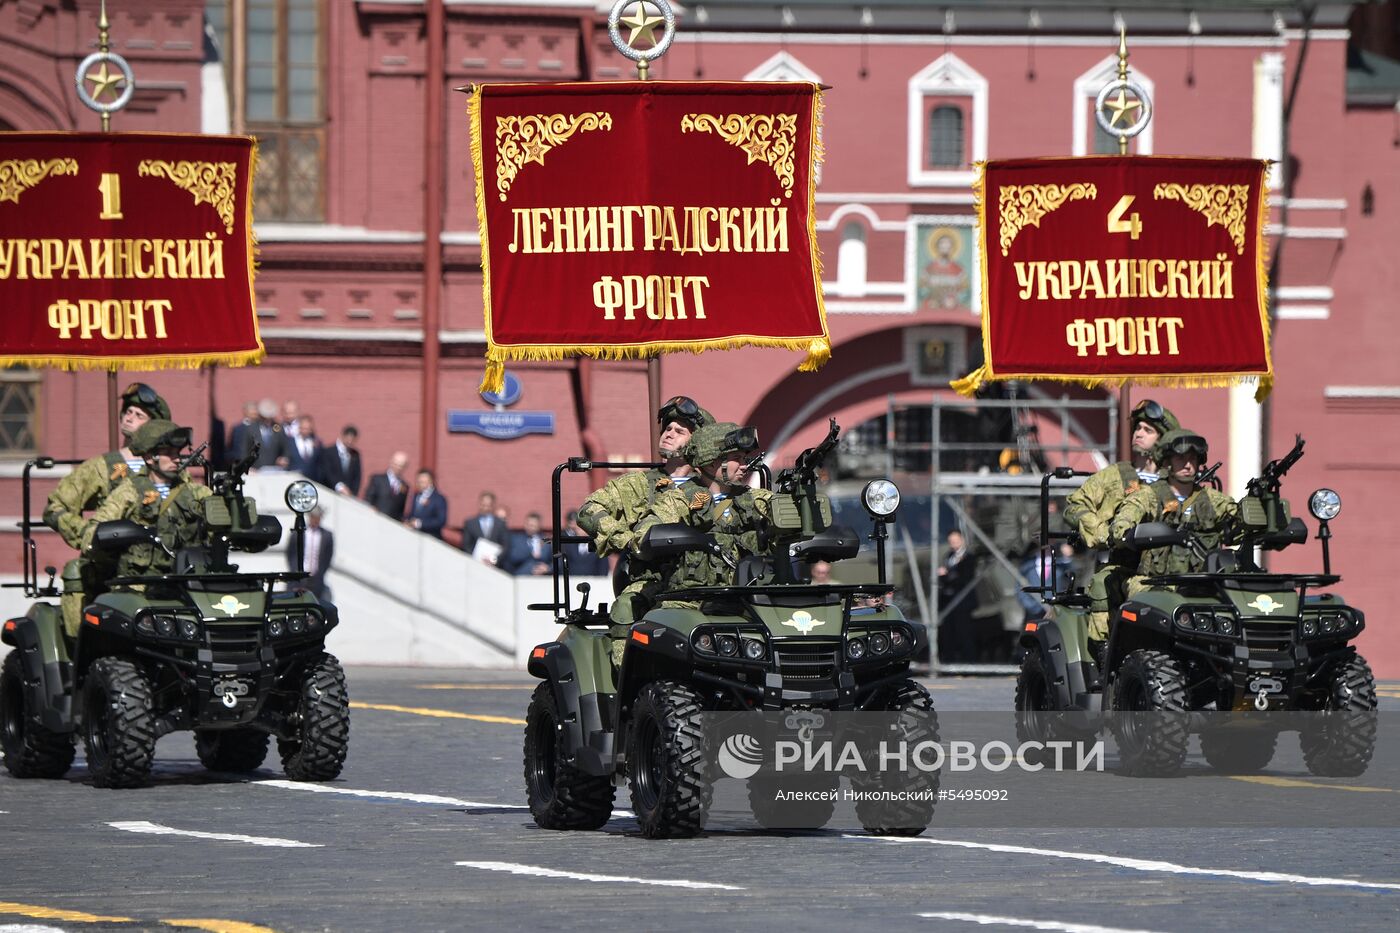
(526, 139)
(209, 182)
(1226, 205)
(19, 175)
(769, 138)
(1025, 205)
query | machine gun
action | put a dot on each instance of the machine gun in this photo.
(1264, 520)
(799, 512)
(1269, 480)
(804, 474)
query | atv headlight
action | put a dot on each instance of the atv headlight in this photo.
(728, 645)
(1324, 504)
(301, 496)
(879, 643)
(189, 629)
(753, 649)
(1183, 618)
(705, 642)
(880, 498)
(275, 628)
(897, 639)
(1309, 628)
(165, 626)
(855, 649)
(1225, 625)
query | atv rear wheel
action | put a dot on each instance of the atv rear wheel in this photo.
(235, 750)
(1038, 715)
(1239, 751)
(323, 731)
(119, 731)
(30, 750)
(667, 769)
(1340, 741)
(1149, 699)
(814, 809)
(917, 790)
(561, 795)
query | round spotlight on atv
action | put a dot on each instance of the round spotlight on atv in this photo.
(879, 643)
(705, 642)
(753, 649)
(274, 628)
(165, 626)
(880, 498)
(728, 645)
(189, 629)
(301, 496)
(1309, 628)
(1324, 504)
(855, 649)
(1225, 624)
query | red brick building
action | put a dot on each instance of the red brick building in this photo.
(364, 147)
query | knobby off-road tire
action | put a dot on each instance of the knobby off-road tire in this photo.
(236, 750)
(1239, 751)
(1038, 718)
(668, 772)
(907, 817)
(30, 750)
(561, 796)
(323, 732)
(1340, 740)
(119, 730)
(1149, 702)
(773, 813)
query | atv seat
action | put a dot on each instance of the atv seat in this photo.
(1222, 562)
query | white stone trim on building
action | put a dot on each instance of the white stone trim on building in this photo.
(947, 76)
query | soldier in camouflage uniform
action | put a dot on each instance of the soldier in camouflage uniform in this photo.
(1179, 502)
(718, 502)
(89, 485)
(1090, 508)
(162, 496)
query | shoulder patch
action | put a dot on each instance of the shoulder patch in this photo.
(663, 482)
(699, 499)
(150, 498)
(119, 471)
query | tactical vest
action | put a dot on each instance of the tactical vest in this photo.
(736, 535)
(1201, 521)
(178, 520)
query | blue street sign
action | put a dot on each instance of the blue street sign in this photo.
(509, 394)
(500, 425)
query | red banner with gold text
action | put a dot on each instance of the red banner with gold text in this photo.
(126, 250)
(632, 218)
(1123, 269)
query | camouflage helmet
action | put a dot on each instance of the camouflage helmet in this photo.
(159, 433)
(1155, 415)
(1180, 441)
(142, 396)
(684, 409)
(713, 441)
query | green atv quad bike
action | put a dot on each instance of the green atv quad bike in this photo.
(1218, 653)
(768, 642)
(204, 648)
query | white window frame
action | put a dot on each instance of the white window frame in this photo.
(947, 76)
(1088, 86)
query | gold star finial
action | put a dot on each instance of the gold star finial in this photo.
(1120, 106)
(104, 81)
(642, 23)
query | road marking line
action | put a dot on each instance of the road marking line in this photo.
(478, 686)
(518, 869)
(155, 829)
(404, 796)
(28, 928)
(219, 926)
(990, 920)
(438, 713)
(1294, 782)
(54, 913)
(1137, 864)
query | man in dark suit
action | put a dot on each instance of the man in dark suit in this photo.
(239, 439)
(429, 510)
(529, 551)
(582, 561)
(388, 491)
(340, 462)
(318, 550)
(264, 430)
(485, 526)
(304, 449)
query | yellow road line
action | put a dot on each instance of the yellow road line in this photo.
(477, 686)
(219, 926)
(438, 713)
(54, 913)
(1294, 782)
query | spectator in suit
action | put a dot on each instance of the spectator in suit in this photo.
(957, 637)
(485, 525)
(529, 552)
(239, 440)
(291, 419)
(318, 550)
(429, 511)
(582, 561)
(340, 463)
(267, 431)
(388, 491)
(304, 449)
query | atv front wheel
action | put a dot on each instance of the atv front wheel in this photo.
(1340, 740)
(119, 730)
(235, 750)
(1239, 751)
(667, 769)
(1039, 718)
(561, 795)
(30, 750)
(895, 802)
(1149, 700)
(323, 732)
